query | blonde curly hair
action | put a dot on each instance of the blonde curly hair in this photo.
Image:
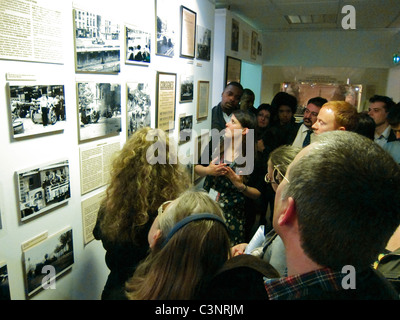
(140, 183)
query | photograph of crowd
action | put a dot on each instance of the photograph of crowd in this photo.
(43, 188)
(137, 45)
(138, 106)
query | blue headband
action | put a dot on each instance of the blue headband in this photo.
(193, 217)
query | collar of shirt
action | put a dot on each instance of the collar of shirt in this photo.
(385, 134)
(295, 287)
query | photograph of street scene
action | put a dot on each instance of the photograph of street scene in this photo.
(137, 46)
(99, 110)
(36, 109)
(54, 256)
(43, 188)
(138, 106)
(97, 43)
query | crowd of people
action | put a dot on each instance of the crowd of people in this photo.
(287, 209)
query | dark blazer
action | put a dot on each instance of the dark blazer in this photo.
(217, 118)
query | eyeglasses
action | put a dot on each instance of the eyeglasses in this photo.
(163, 206)
(277, 176)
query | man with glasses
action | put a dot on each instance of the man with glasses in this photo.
(305, 133)
(331, 226)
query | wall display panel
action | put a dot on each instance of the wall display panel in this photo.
(235, 35)
(42, 188)
(166, 97)
(203, 37)
(95, 164)
(90, 208)
(254, 41)
(203, 94)
(97, 42)
(99, 110)
(188, 32)
(138, 106)
(137, 46)
(36, 109)
(165, 29)
(48, 260)
(4, 283)
(233, 69)
(28, 34)
(185, 128)
(187, 88)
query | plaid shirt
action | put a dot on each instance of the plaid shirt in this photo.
(295, 287)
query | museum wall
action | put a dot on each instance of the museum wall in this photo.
(40, 41)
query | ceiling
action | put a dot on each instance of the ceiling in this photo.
(273, 15)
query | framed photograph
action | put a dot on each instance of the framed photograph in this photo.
(188, 32)
(166, 100)
(187, 86)
(97, 43)
(253, 49)
(259, 48)
(165, 29)
(42, 188)
(138, 106)
(137, 46)
(203, 94)
(99, 110)
(203, 37)
(36, 109)
(185, 128)
(47, 260)
(4, 283)
(235, 35)
(233, 69)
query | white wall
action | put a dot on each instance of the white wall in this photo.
(222, 49)
(89, 272)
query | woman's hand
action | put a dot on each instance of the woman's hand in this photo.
(238, 249)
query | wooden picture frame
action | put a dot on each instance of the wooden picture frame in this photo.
(166, 101)
(188, 33)
(254, 41)
(233, 70)
(203, 97)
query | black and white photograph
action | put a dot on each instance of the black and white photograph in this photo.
(185, 128)
(137, 46)
(42, 188)
(166, 30)
(55, 253)
(203, 43)
(99, 108)
(138, 106)
(97, 43)
(235, 35)
(187, 87)
(4, 283)
(36, 109)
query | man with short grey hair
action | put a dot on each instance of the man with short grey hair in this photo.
(335, 213)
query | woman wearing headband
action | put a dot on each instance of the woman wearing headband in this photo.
(189, 242)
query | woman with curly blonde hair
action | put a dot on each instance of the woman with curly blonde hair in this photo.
(145, 173)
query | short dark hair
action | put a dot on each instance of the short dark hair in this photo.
(388, 102)
(318, 101)
(284, 99)
(235, 84)
(366, 125)
(394, 115)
